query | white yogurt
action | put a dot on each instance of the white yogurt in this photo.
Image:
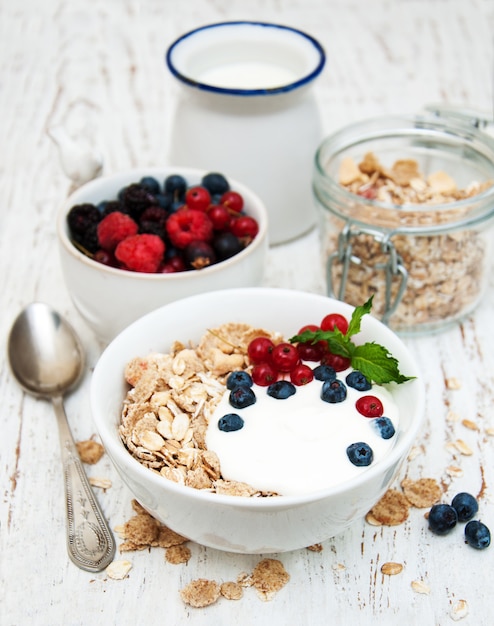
(248, 75)
(298, 445)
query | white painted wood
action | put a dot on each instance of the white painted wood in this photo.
(97, 67)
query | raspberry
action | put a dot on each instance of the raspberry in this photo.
(187, 225)
(141, 253)
(114, 228)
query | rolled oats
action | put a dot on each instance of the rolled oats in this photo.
(171, 399)
(419, 586)
(118, 570)
(459, 610)
(391, 568)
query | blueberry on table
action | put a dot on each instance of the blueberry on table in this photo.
(384, 427)
(360, 453)
(281, 389)
(358, 381)
(477, 535)
(466, 506)
(442, 519)
(239, 378)
(242, 397)
(333, 391)
(230, 422)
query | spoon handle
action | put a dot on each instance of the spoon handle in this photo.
(90, 542)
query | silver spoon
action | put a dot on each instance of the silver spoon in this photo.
(47, 360)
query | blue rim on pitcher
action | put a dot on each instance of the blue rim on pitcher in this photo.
(221, 43)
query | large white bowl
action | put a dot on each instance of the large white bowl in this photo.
(233, 523)
(109, 299)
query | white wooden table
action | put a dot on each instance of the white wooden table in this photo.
(101, 61)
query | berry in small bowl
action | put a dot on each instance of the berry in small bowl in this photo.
(133, 241)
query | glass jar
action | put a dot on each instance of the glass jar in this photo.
(420, 243)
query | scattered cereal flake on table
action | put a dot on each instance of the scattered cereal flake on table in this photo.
(392, 509)
(391, 568)
(420, 587)
(454, 471)
(168, 537)
(421, 493)
(118, 570)
(463, 447)
(470, 424)
(316, 547)
(268, 577)
(231, 590)
(90, 451)
(415, 452)
(459, 610)
(453, 383)
(370, 519)
(140, 532)
(178, 554)
(102, 483)
(200, 593)
(338, 567)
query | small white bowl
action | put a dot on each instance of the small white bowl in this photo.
(109, 299)
(234, 523)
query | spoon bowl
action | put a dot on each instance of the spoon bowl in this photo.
(47, 360)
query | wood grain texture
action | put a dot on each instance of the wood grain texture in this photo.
(97, 67)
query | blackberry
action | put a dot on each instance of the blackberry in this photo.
(136, 199)
(110, 206)
(81, 217)
(153, 221)
(215, 183)
(88, 240)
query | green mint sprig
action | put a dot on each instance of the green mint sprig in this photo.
(372, 359)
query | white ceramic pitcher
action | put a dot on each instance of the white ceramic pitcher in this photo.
(246, 110)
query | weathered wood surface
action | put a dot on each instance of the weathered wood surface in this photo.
(96, 66)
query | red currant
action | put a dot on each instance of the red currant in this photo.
(369, 406)
(337, 362)
(244, 226)
(260, 349)
(301, 375)
(263, 374)
(233, 200)
(312, 327)
(219, 216)
(197, 198)
(175, 264)
(285, 357)
(335, 320)
(310, 351)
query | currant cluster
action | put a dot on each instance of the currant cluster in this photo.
(165, 228)
(286, 360)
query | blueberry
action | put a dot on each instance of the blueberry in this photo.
(442, 519)
(239, 379)
(230, 422)
(358, 381)
(281, 389)
(151, 184)
(466, 506)
(324, 372)
(360, 453)
(164, 200)
(333, 391)
(215, 183)
(241, 397)
(477, 535)
(175, 185)
(384, 426)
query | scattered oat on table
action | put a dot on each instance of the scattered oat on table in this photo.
(101, 483)
(200, 593)
(391, 568)
(459, 610)
(90, 451)
(118, 570)
(392, 509)
(421, 493)
(419, 586)
(316, 547)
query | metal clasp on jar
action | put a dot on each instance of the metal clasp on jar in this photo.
(393, 267)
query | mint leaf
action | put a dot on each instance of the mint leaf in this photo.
(376, 363)
(357, 315)
(372, 359)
